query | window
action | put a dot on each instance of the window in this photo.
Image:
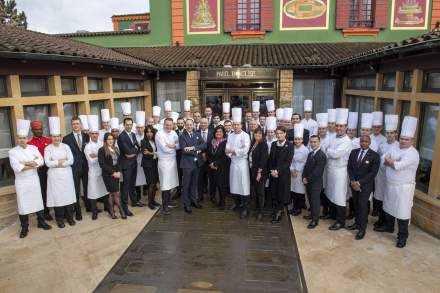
(215, 102)
(361, 13)
(386, 106)
(39, 113)
(389, 81)
(95, 109)
(431, 82)
(6, 143)
(175, 91)
(361, 105)
(33, 86)
(3, 91)
(426, 145)
(407, 81)
(137, 104)
(404, 111)
(68, 85)
(248, 15)
(363, 82)
(321, 91)
(70, 111)
(95, 85)
(120, 85)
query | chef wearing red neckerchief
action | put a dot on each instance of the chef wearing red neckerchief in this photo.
(41, 142)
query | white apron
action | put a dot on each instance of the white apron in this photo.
(60, 186)
(398, 199)
(298, 162)
(95, 186)
(140, 175)
(239, 180)
(27, 183)
(380, 180)
(168, 177)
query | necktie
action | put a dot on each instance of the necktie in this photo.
(78, 141)
(204, 135)
(360, 157)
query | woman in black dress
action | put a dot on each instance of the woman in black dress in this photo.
(258, 156)
(281, 155)
(149, 164)
(219, 163)
(108, 158)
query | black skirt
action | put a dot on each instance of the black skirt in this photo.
(151, 173)
(111, 183)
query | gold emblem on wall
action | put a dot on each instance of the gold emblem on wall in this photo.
(202, 16)
(304, 9)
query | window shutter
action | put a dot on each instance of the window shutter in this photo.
(342, 14)
(266, 15)
(230, 15)
(381, 13)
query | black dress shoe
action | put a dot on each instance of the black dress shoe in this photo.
(308, 217)
(312, 225)
(351, 227)
(378, 224)
(187, 210)
(151, 206)
(24, 232)
(44, 226)
(138, 204)
(78, 217)
(156, 203)
(165, 212)
(401, 243)
(336, 226)
(129, 213)
(383, 229)
(71, 222)
(243, 214)
(95, 215)
(359, 235)
(60, 224)
(325, 217)
(48, 217)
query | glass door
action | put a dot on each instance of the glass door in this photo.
(241, 100)
(214, 101)
(263, 97)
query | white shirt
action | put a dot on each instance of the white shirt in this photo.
(238, 143)
(405, 165)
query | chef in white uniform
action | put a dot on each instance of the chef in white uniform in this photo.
(391, 123)
(400, 173)
(84, 123)
(256, 111)
(167, 142)
(226, 109)
(270, 106)
(237, 148)
(140, 175)
(187, 109)
(366, 129)
(126, 112)
(95, 184)
(60, 188)
(114, 126)
(338, 153)
(156, 118)
(105, 120)
(322, 120)
(352, 124)
(287, 118)
(331, 122)
(24, 160)
(308, 122)
(297, 187)
(377, 135)
(279, 114)
(168, 111)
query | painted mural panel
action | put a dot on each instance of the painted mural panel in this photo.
(304, 14)
(410, 14)
(203, 16)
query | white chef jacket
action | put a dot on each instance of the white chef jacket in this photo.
(298, 162)
(311, 125)
(95, 183)
(167, 164)
(239, 171)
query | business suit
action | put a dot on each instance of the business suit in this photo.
(204, 171)
(149, 165)
(179, 171)
(129, 148)
(80, 169)
(108, 168)
(190, 165)
(217, 156)
(313, 171)
(258, 157)
(291, 136)
(363, 170)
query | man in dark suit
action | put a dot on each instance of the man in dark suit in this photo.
(363, 165)
(312, 179)
(77, 141)
(129, 148)
(191, 144)
(206, 135)
(245, 125)
(296, 118)
(179, 130)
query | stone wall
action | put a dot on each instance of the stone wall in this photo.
(193, 90)
(286, 88)
(426, 213)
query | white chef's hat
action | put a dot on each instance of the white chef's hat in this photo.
(341, 115)
(270, 105)
(271, 123)
(84, 122)
(114, 123)
(353, 118)
(287, 114)
(226, 107)
(279, 113)
(105, 115)
(255, 106)
(322, 119)
(367, 120)
(331, 118)
(23, 127)
(54, 126)
(391, 122)
(175, 116)
(93, 122)
(308, 105)
(140, 118)
(298, 130)
(409, 127)
(377, 118)
(187, 105)
(156, 111)
(236, 115)
(126, 108)
(167, 106)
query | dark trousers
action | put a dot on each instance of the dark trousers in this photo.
(24, 219)
(338, 212)
(361, 203)
(104, 200)
(166, 199)
(314, 197)
(202, 181)
(402, 225)
(298, 200)
(129, 186)
(257, 192)
(325, 203)
(377, 205)
(42, 175)
(381, 220)
(80, 175)
(189, 189)
(63, 212)
(211, 183)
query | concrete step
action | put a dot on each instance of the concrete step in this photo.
(8, 219)
(8, 210)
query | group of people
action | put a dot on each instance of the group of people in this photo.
(268, 161)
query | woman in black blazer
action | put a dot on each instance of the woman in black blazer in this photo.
(108, 158)
(149, 164)
(258, 156)
(218, 162)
